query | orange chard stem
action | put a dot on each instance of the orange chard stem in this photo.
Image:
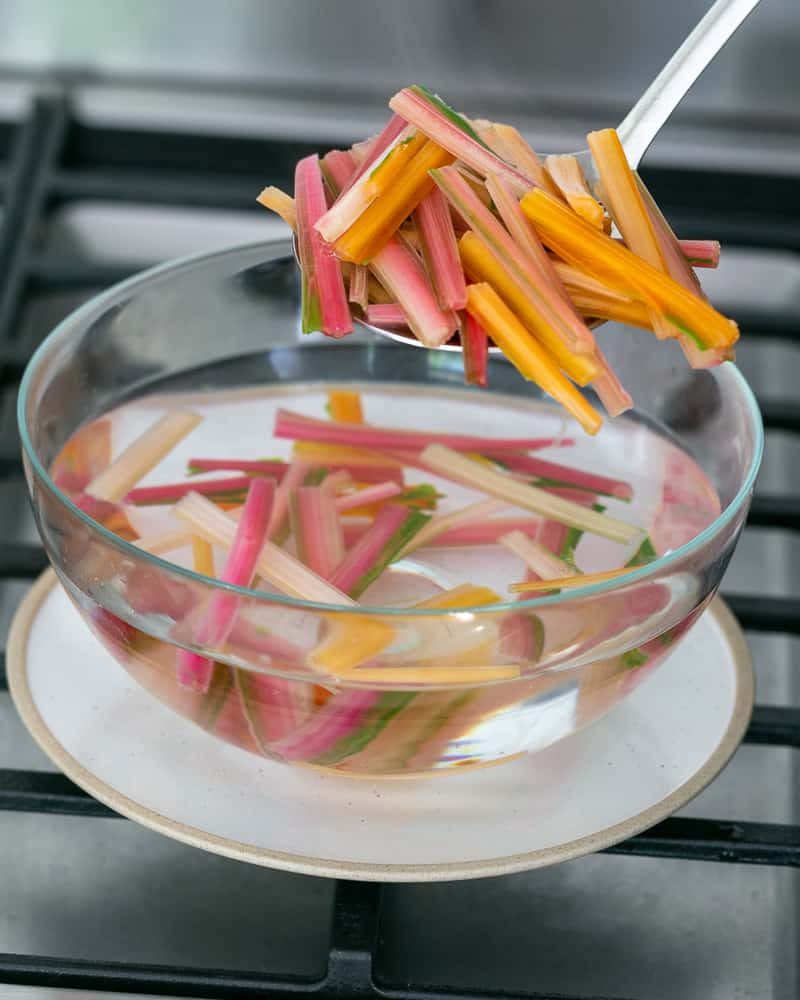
(566, 174)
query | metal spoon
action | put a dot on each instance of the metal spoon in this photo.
(645, 119)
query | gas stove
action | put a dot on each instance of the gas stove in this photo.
(705, 905)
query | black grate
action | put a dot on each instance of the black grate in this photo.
(50, 159)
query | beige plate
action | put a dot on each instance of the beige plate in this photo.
(644, 760)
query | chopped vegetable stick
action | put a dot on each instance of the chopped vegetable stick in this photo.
(272, 468)
(622, 197)
(388, 315)
(613, 394)
(475, 350)
(143, 455)
(358, 460)
(705, 358)
(273, 706)
(341, 169)
(568, 177)
(351, 640)
(579, 580)
(280, 203)
(338, 168)
(358, 288)
(360, 151)
(679, 269)
(372, 494)
(548, 302)
(275, 565)
(485, 266)
(453, 132)
(523, 233)
(535, 556)
(386, 537)
(555, 474)
(521, 155)
(465, 595)
(580, 244)
(593, 298)
(346, 712)
(202, 556)
(280, 507)
(171, 492)
(488, 532)
(456, 519)
(300, 427)
(527, 355)
(700, 253)
(370, 185)
(344, 406)
(324, 302)
(440, 250)
(373, 229)
(374, 148)
(250, 534)
(491, 135)
(423, 497)
(316, 528)
(478, 476)
(431, 676)
(399, 270)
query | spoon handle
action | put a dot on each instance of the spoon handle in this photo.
(644, 120)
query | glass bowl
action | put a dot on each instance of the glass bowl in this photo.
(371, 689)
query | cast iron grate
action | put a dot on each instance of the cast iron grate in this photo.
(49, 159)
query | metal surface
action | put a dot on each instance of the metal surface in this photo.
(99, 905)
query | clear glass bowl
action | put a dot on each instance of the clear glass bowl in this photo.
(232, 319)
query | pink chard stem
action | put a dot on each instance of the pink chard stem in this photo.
(324, 302)
(358, 291)
(338, 168)
(387, 315)
(454, 133)
(475, 350)
(440, 250)
(400, 272)
(252, 467)
(388, 534)
(251, 532)
(317, 531)
(231, 487)
(372, 494)
(301, 428)
(700, 253)
(280, 508)
(547, 473)
(336, 719)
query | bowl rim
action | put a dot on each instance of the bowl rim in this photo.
(97, 303)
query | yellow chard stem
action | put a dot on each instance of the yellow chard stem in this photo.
(527, 355)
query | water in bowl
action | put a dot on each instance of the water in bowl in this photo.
(264, 697)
